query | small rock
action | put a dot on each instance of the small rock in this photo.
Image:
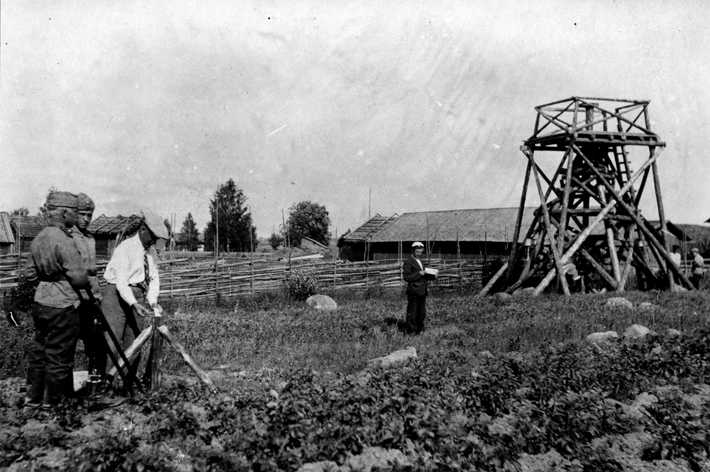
(673, 333)
(645, 306)
(502, 296)
(602, 337)
(395, 357)
(524, 292)
(644, 400)
(486, 354)
(636, 331)
(322, 302)
(618, 302)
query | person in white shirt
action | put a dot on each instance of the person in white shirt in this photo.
(675, 257)
(133, 283)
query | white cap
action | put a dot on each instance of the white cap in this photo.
(417, 244)
(156, 225)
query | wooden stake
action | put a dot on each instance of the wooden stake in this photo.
(493, 280)
(513, 259)
(156, 355)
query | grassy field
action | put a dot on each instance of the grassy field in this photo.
(268, 332)
(294, 389)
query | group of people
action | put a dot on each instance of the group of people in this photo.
(62, 266)
(697, 265)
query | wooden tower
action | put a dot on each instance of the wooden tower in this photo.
(589, 214)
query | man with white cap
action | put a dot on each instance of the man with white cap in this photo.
(133, 282)
(697, 269)
(414, 274)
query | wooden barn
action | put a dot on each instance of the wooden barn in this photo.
(26, 229)
(7, 237)
(449, 234)
(108, 229)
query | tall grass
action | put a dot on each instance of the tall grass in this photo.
(270, 332)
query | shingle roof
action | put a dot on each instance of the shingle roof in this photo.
(28, 226)
(111, 224)
(6, 235)
(490, 224)
(372, 226)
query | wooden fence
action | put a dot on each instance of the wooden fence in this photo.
(233, 276)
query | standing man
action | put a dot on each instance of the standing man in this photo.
(85, 243)
(697, 268)
(133, 282)
(414, 274)
(676, 258)
(55, 265)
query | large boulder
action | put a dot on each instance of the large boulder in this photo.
(502, 296)
(322, 302)
(602, 337)
(394, 358)
(636, 331)
(618, 302)
(524, 292)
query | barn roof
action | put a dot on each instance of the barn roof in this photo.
(111, 225)
(6, 235)
(28, 226)
(373, 225)
(489, 224)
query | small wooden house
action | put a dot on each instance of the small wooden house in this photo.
(26, 228)
(108, 230)
(7, 237)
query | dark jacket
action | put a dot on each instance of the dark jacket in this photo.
(416, 285)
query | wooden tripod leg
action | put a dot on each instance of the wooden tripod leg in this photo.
(186, 357)
(133, 350)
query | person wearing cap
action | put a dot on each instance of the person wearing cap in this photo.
(676, 258)
(697, 268)
(56, 268)
(133, 283)
(414, 274)
(86, 244)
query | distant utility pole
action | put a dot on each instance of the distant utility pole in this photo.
(369, 205)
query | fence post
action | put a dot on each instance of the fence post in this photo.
(156, 353)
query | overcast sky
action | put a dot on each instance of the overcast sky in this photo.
(153, 104)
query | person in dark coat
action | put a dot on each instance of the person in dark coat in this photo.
(56, 268)
(415, 276)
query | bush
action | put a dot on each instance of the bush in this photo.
(301, 284)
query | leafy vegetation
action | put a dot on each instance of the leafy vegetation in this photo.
(294, 389)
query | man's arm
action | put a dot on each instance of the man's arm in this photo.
(411, 273)
(154, 287)
(72, 265)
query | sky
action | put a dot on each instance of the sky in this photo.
(363, 106)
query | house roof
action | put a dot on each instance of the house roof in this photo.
(111, 225)
(372, 226)
(6, 235)
(28, 226)
(487, 224)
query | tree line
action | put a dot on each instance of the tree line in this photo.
(231, 227)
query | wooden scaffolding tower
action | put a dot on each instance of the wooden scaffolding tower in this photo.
(590, 205)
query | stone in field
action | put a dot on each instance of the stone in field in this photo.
(602, 337)
(371, 458)
(636, 331)
(618, 302)
(322, 302)
(646, 306)
(524, 292)
(502, 296)
(394, 358)
(673, 332)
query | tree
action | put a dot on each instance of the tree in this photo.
(22, 211)
(308, 219)
(189, 233)
(276, 240)
(229, 213)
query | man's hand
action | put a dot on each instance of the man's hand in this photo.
(421, 272)
(140, 310)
